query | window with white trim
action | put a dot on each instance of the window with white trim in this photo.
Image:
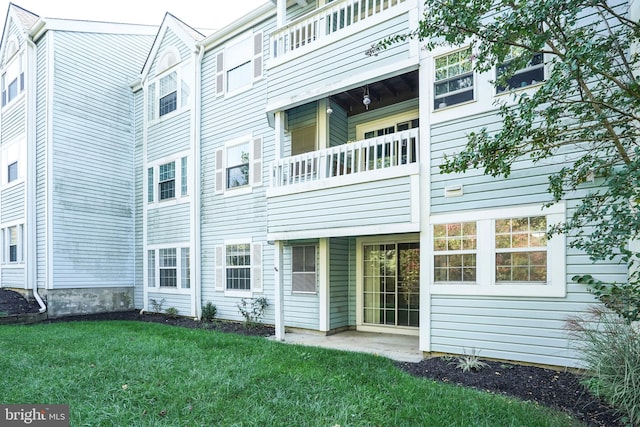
(303, 269)
(12, 74)
(164, 183)
(453, 79)
(239, 64)
(454, 247)
(239, 268)
(13, 238)
(499, 252)
(13, 161)
(12, 171)
(170, 89)
(532, 73)
(169, 268)
(239, 165)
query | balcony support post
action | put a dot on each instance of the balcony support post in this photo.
(279, 291)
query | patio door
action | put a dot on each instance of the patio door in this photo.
(391, 284)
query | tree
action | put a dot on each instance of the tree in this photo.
(588, 105)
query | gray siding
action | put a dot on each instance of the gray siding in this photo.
(525, 329)
(93, 157)
(171, 39)
(12, 277)
(13, 203)
(169, 136)
(339, 61)
(341, 261)
(182, 302)
(13, 121)
(168, 224)
(374, 203)
(233, 216)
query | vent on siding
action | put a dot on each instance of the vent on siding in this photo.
(453, 191)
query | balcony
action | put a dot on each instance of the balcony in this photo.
(335, 17)
(359, 188)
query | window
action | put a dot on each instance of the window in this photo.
(454, 79)
(167, 181)
(454, 247)
(167, 266)
(521, 249)
(508, 78)
(303, 269)
(185, 268)
(183, 176)
(12, 172)
(151, 268)
(238, 267)
(169, 269)
(238, 165)
(168, 93)
(503, 252)
(13, 244)
(12, 80)
(239, 64)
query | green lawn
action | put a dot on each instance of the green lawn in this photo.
(143, 374)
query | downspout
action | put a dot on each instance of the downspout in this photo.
(195, 200)
(30, 198)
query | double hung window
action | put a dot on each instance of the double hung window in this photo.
(454, 79)
(168, 93)
(531, 73)
(169, 268)
(303, 269)
(238, 165)
(165, 183)
(238, 267)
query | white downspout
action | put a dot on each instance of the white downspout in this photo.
(195, 198)
(30, 197)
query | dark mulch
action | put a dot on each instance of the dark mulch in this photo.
(558, 390)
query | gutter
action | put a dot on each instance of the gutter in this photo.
(196, 209)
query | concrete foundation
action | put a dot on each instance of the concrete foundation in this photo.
(70, 302)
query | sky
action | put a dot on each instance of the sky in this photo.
(200, 14)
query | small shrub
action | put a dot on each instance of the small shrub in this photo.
(156, 306)
(610, 349)
(470, 362)
(252, 310)
(209, 312)
(172, 312)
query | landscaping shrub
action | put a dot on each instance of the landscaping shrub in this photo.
(610, 348)
(209, 312)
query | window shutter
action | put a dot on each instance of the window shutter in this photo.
(257, 162)
(220, 73)
(219, 171)
(219, 268)
(256, 267)
(257, 55)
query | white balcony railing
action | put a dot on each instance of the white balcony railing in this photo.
(331, 18)
(382, 152)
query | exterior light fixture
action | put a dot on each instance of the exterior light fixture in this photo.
(366, 99)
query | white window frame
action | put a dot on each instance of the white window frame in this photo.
(153, 265)
(6, 244)
(255, 166)
(13, 71)
(302, 274)
(169, 62)
(485, 258)
(13, 152)
(229, 59)
(153, 188)
(255, 266)
(508, 90)
(436, 106)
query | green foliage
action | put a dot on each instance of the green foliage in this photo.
(584, 118)
(470, 361)
(156, 305)
(252, 310)
(171, 312)
(610, 347)
(622, 299)
(209, 312)
(144, 374)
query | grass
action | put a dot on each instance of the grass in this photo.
(142, 374)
